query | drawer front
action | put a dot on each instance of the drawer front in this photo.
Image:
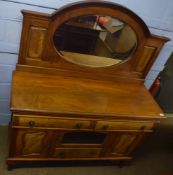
(28, 121)
(76, 152)
(123, 125)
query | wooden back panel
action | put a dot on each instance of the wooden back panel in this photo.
(38, 53)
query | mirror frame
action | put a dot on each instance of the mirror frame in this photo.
(37, 48)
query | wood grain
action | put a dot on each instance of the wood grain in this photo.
(58, 95)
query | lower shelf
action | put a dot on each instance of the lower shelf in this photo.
(66, 159)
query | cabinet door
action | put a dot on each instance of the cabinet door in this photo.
(125, 143)
(31, 143)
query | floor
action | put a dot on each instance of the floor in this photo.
(154, 157)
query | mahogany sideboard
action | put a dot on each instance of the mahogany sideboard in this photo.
(69, 105)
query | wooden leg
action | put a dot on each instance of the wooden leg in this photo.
(121, 164)
(10, 165)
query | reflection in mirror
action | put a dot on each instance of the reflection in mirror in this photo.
(95, 41)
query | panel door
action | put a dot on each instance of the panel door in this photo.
(124, 143)
(31, 143)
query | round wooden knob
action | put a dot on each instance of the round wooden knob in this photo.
(142, 128)
(31, 124)
(78, 126)
(105, 127)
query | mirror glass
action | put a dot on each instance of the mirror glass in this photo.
(95, 40)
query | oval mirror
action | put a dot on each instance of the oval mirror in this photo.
(95, 40)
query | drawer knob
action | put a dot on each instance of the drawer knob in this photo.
(78, 126)
(142, 128)
(31, 124)
(105, 127)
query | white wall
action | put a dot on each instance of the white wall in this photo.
(157, 14)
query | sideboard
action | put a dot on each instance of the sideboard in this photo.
(70, 105)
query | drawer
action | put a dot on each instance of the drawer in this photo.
(31, 121)
(124, 125)
(76, 152)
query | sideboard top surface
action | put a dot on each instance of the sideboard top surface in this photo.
(52, 94)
